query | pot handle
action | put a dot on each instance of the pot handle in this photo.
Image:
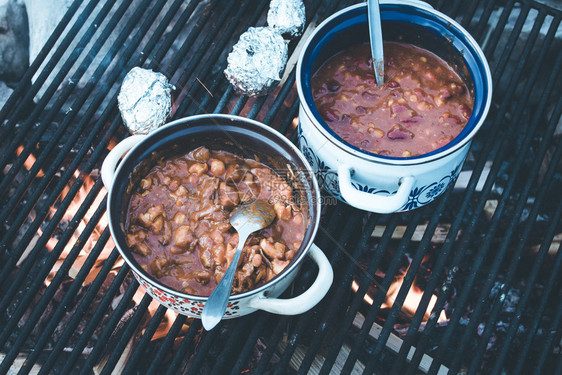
(112, 159)
(382, 204)
(308, 299)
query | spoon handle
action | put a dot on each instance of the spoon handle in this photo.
(375, 34)
(215, 306)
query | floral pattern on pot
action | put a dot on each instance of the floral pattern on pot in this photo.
(328, 180)
(184, 306)
(327, 177)
(420, 196)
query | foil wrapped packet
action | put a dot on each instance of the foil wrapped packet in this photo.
(257, 61)
(144, 100)
(287, 16)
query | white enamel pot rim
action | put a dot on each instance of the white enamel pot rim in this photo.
(113, 170)
(474, 124)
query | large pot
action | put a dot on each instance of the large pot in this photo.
(380, 183)
(243, 137)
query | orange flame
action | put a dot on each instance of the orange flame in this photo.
(411, 302)
(73, 208)
(295, 122)
(28, 163)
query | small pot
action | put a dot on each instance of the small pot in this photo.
(379, 183)
(243, 137)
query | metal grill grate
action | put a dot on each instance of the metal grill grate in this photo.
(487, 253)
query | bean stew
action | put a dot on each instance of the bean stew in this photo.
(178, 228)
(422, 106)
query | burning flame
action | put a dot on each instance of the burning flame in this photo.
(68, 216)
(76, 203)
(89, 182)
(295, 122)
(28, 163)
(411, 302)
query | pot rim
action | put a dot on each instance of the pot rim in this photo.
(295, 263)
(446, 150)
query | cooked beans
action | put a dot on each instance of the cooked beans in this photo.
(178, 221)
(423, 105)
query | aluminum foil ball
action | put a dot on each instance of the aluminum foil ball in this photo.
(144, 100)
(287, 16)
(257, 61)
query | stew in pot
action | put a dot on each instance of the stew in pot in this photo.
(422, 106)
(178, 221)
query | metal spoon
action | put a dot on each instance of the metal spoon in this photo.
(246, 220)
(375, 34)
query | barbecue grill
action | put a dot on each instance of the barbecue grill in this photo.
(469, 283)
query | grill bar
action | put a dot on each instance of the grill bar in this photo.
(276, 336)
(68, 172)
(528, 291)
(54, 222)
(454, 232)
(189, 43)
(424, 302)
(205, 343)
(9, 238)
(523, 239)
(238, 335)
(167, 344)
(335, 298)
(76, 105)
(81, 309)
(62, 96)
(500, 67)
(36, 64)
(124, 338)
(145, 339)
(496, 308)
(469, 15)
(249, 344)
(104, 337)
(334, 305)
(392, 270)
(494, 171)
(478, 30)
(41, 306)
(41, 274)
(553, 334)
(462, 302)
(199, 55)
(408, 281)
(181, 353)
(325, 238)
(514, 219)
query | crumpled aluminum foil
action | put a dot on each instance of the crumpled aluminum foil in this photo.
(257, 61)
(144, 100)
(287, 16)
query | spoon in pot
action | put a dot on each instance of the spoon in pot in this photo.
(375, 35)
(246, 219)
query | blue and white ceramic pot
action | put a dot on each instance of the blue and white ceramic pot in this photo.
(379, 183)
